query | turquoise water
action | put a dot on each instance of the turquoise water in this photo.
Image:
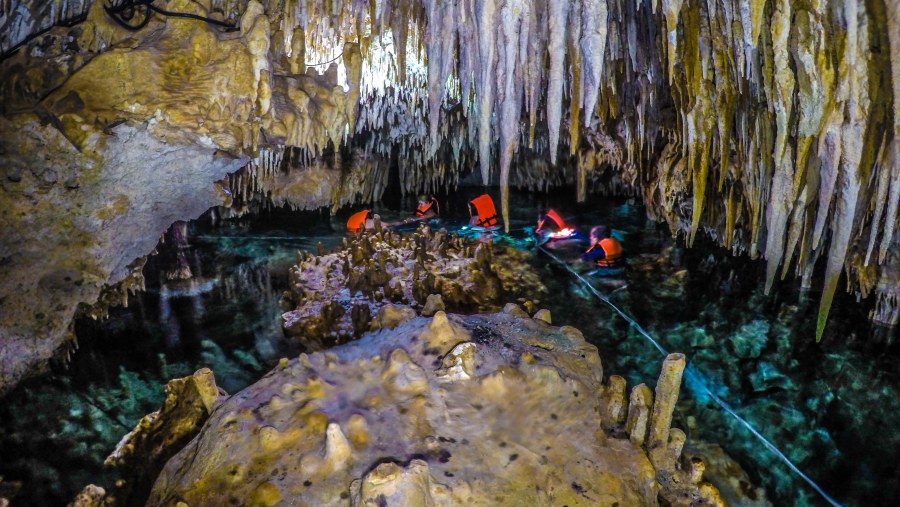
(830, 407)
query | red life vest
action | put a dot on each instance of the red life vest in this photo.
(558, 220)
(357, 220)
(612, 251)
(421, 210)
(485, 211)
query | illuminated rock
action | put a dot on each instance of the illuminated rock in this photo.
(438, 411)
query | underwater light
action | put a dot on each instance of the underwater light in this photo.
(564, 233)
(697, 380)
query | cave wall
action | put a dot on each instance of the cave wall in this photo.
(769, 125)
(73, 222)
(110, 136)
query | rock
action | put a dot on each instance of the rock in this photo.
(768, 377)
(391, 484)
(667, 387)
(459, 363)
(376, 422)
(615, 405)
(433, 304)
(391, 316)
(90, 496)
(141, 454)
(638, 421)
(382, 269)
(750, 339)
(543, 315)
(107, 225)
(726, 475)
(514, 309)
(14, 174)
(701, 340)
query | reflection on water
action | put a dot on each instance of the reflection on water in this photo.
(213, 296)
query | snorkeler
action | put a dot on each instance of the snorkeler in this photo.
(426, 209)
(485, 214)
(605, 250)
(552, 226)
(360, 220)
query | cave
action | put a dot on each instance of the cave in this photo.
(458, 252)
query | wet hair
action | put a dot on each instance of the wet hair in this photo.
(424, 198)
(600, 232)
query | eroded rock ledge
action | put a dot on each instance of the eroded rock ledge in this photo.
(497, 409)
(343, 294)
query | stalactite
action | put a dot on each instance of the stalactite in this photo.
(557, 19)
(593, 46)
(484, 83)
(513, 35)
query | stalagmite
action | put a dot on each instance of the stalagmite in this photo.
(639, 405)
(615, 404)
(667, 388)
(543, 315)
(338, 452)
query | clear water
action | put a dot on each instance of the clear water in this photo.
(831, 407)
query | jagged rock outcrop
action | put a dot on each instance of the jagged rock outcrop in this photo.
(346, 293)
(424, 415)
(142, 453)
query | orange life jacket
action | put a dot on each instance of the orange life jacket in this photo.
(554, 216)
(485, 210)
(612, 251)
(357, 220)
(421, 210)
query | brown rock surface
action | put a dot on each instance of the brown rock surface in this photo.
(491, 409)
(345, 293)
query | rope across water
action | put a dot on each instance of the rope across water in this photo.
(695, 378)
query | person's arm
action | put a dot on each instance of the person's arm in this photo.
(594, 255)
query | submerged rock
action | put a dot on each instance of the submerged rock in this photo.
(750, 339)
(495, 409)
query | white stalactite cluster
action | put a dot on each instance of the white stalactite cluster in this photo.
(769, 124)
(779, 129)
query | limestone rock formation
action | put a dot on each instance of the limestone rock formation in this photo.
(345, 293)
(109, 136)
(91, 496)
(493, 409)
(75, 218)
(141, 454)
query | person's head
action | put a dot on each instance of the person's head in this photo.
(424, 199)
(598, 233)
